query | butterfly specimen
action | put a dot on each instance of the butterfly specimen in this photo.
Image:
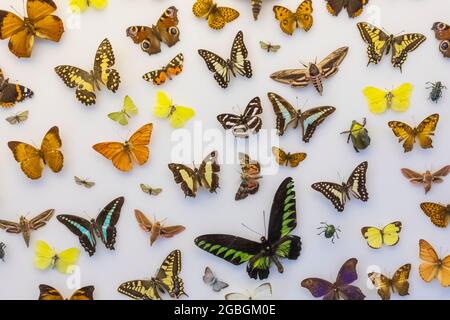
(78, 6)
(149, 190)
(39, 22)
(338, 194)
(439, 214)
(428, 178)
(354, 7)
(236, 64)
(269, 47)
(129, 110)
(210, 279)
(442, 32)
(166, 31)
(286, 115)
(287, 159)
(173, 68)
(432, 266)
(399, 282)
(380, 43)
(423, 132)
(25, 226)
(104, 227)
(262, 292)
(32, 160)
(87, 82)
(156, 228)
(389, 235)
(398, 99)
(190, 179)
(83, 182)
(46, 258)
(301, 18)
(329, 231)
(166, 109)
(259, 256)
(217, 16)
(341, 289)
(123, 154)
(359, 135)
(313, 73)
(245, 124)
(437, 89)
(18, 117)
(11, 93)
(50, 293)
(167, 279)
(251, 173)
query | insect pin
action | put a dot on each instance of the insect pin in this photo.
(2, 251)
(329, 231)
(436, 90)
(359, 135)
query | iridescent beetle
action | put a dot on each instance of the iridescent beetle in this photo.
(359, 135)
(329, 231)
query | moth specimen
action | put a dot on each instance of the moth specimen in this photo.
(18, 117)
(245, 124)
(156, 228)
(149, 190)
(428, 178)
(269, 47)
(83, 182)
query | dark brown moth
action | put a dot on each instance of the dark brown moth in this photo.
(251, 173)
(25, 226)
(313, 73)
(428, 178)
(156, 228)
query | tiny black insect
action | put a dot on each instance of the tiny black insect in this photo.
(2, 251)
(329, 230)
(436, 90)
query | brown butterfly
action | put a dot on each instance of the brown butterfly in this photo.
(25, 226)
(50, 293)
(313, 73)
(251, 173)
(166, 31)
(428, 178)
(173, 68)
(439, 214)
(442, 32)
(11, 93)
(288, 159)
(156, 228)
(354, 7)
(399, 282)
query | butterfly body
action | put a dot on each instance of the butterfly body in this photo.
(50, 293)
(398, 283)
(354, 7)
(244, 124)
(156, 228)
(428, 178)
(439, 214)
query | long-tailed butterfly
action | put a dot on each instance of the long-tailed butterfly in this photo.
(245, 124)
(338, 194)
(341, 288)
(251, 173)
(104, 227)
(11, 93)
(236, 64)
(286, 114)
(259, 256)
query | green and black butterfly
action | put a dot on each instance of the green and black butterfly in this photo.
(260, 255)
(104, 227)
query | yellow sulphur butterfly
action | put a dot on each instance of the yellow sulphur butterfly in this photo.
(389, 235)
(81, 5)
(46, 258)
(122, 116)
(380, 100)
(177, 115)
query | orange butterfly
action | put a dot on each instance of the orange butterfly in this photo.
(432, 266)
(39, 22)
(122, 154)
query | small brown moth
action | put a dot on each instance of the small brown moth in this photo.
(83, 182)
(149, 190)
(428, 178)
(156, 228)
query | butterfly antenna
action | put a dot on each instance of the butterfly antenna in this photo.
(303, 64)
(244, 225)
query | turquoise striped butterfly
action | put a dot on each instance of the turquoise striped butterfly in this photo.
(104, 227)
(286, 114)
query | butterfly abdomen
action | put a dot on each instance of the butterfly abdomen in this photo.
(256, 8)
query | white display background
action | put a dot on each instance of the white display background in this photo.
(392, 197)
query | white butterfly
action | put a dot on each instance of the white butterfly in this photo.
(262, 292)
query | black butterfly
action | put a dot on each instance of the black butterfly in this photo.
(244, 124)
(260, 255)
(338, 194)
(104, 227)
(11, 93)
(223, 69)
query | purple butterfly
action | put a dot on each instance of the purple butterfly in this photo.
(341, 288)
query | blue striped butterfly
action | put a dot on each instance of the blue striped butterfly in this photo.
(104, 227)
(259, 256)
(286, 114)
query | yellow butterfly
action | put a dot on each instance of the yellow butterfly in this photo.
(177, 115)
(288, 159)
(47, 258)
(81, 5)
(432, 266)
(217, 16)
(122, 116)
(389, 235)
(289, 21)
(397, 99)
(385, 285)
(439, 214)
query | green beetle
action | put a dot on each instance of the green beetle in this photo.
(329, 230)
(359, 135)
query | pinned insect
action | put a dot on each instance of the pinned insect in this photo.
(436, 90)
(267, 46)
(83, 182)
(359, 135)
(2, 251)
(329, 231)
(149, 190)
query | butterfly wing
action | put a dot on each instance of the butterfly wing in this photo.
(140, 290)
(51, 154)
(376, 99)
(401, 97)
(83, 81)
(347, 275)
(116, 152)
(284, 112)
(139, 142)
(82, 228)
(41, 219)
(168, 275)
(201, 8)
(280, 156)
(119, 117)
(287, 19)
(104, 61)
(49, 293)
(220, 16)
(167, 26)
(180, 116)
(21, 40)
(28, 157)
(18, 118)
(253, 122)
(357, 182)
(229, 120)
(439, 214)
(318, 287)
(295, 159)
(66, 260)
(429, 268)
(163, 105)
(85, 293)
(330, 65)
(11, 93)
(44, 255)
(304, 15)
(382, 284)
(400, 279)
(335, 7)
(312, 118)
(218, 66)
(404, 133)
(373, 236)
(441, 30)
(143, 221)
(106, 222)
(404, 44)
(238, 56)
(262, 292)
(355, 7)
(376, 40)
(208, 172)
(146, 37)
(298, 78)
(426, 129)
(46, 26)
(333, 192)
(186, 177)
(173, 68)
